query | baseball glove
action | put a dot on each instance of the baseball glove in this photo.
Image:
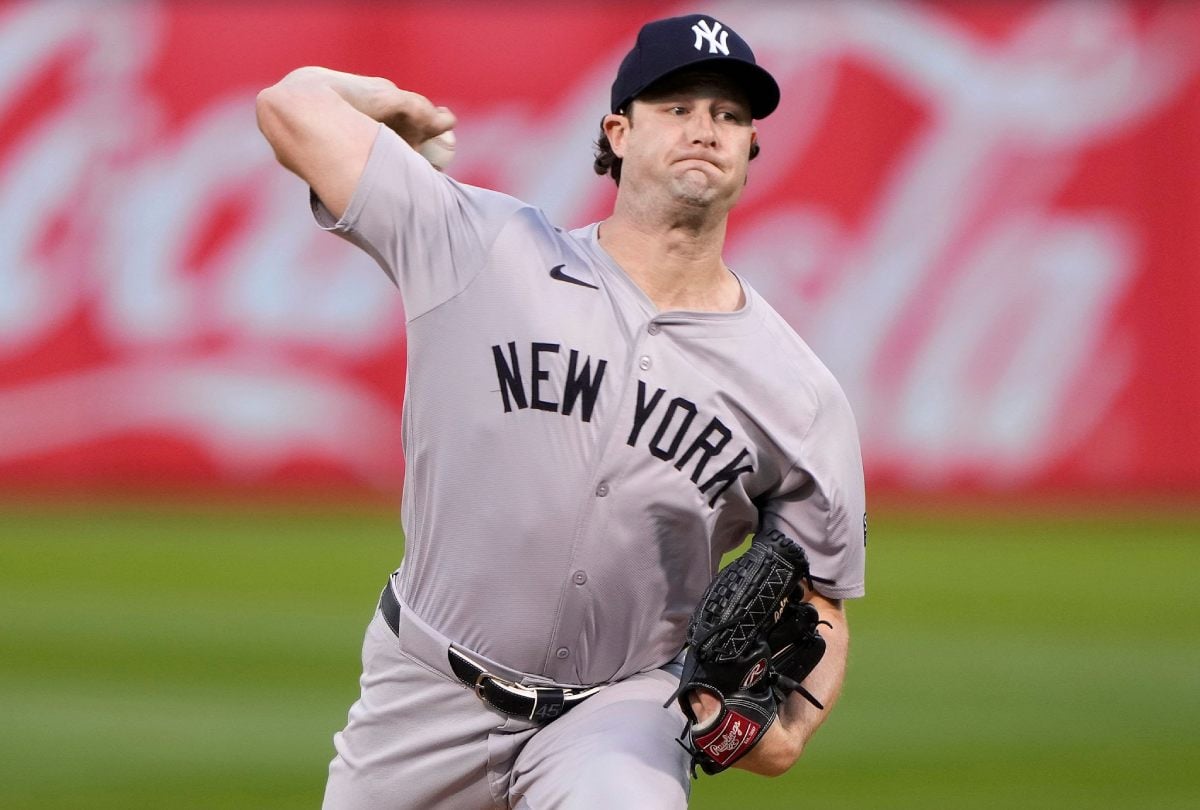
(750, 643)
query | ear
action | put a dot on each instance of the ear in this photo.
(616, 128)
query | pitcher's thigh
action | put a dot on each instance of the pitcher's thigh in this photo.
(413, 739)
(616, 750)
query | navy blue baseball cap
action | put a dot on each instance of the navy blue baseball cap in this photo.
(666, 46)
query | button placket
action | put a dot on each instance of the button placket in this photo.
(570, 627)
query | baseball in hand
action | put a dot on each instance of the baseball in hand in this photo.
(439, 150)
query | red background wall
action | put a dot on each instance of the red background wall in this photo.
(981, 215)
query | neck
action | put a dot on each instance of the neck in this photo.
(674, 257)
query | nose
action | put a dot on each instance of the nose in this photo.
(701, 129)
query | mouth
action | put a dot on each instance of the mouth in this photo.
(698, 159)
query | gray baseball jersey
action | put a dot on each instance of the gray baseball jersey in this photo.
(577, 462)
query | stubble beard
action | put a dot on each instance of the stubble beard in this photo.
(694, 189)
(698, 197)
(691, 198)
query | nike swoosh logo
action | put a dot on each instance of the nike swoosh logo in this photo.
(556, 273)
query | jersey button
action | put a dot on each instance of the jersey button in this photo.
(579, 577)
(644, 363)
(653, 328)
(562, 652)
(602, 490)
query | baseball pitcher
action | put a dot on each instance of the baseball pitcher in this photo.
(592, 418)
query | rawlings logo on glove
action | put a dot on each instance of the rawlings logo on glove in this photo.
(750, 643)
(726, 743)
(755, 674)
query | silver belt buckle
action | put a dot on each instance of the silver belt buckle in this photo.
(483, 677)
(479, 683)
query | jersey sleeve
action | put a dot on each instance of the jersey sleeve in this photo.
(824, 504)
(429, 233)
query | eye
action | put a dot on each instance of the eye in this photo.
(729, 116)
(677, 110)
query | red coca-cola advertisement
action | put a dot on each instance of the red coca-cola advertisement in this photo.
(982, 216)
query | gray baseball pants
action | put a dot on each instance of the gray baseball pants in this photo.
(418, 739)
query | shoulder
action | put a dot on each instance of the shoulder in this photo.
(391, 158)
(396, 164)
(790, 359)
(526, 229)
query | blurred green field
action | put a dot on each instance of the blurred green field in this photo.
(188, 658)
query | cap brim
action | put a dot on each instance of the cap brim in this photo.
(760, 87)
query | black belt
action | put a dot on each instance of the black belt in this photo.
(539, 703)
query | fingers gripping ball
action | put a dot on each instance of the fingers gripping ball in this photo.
(439, 150)
(752, 602)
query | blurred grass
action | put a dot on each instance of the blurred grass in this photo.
(182, 657)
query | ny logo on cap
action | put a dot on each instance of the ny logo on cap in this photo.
(704, 32)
